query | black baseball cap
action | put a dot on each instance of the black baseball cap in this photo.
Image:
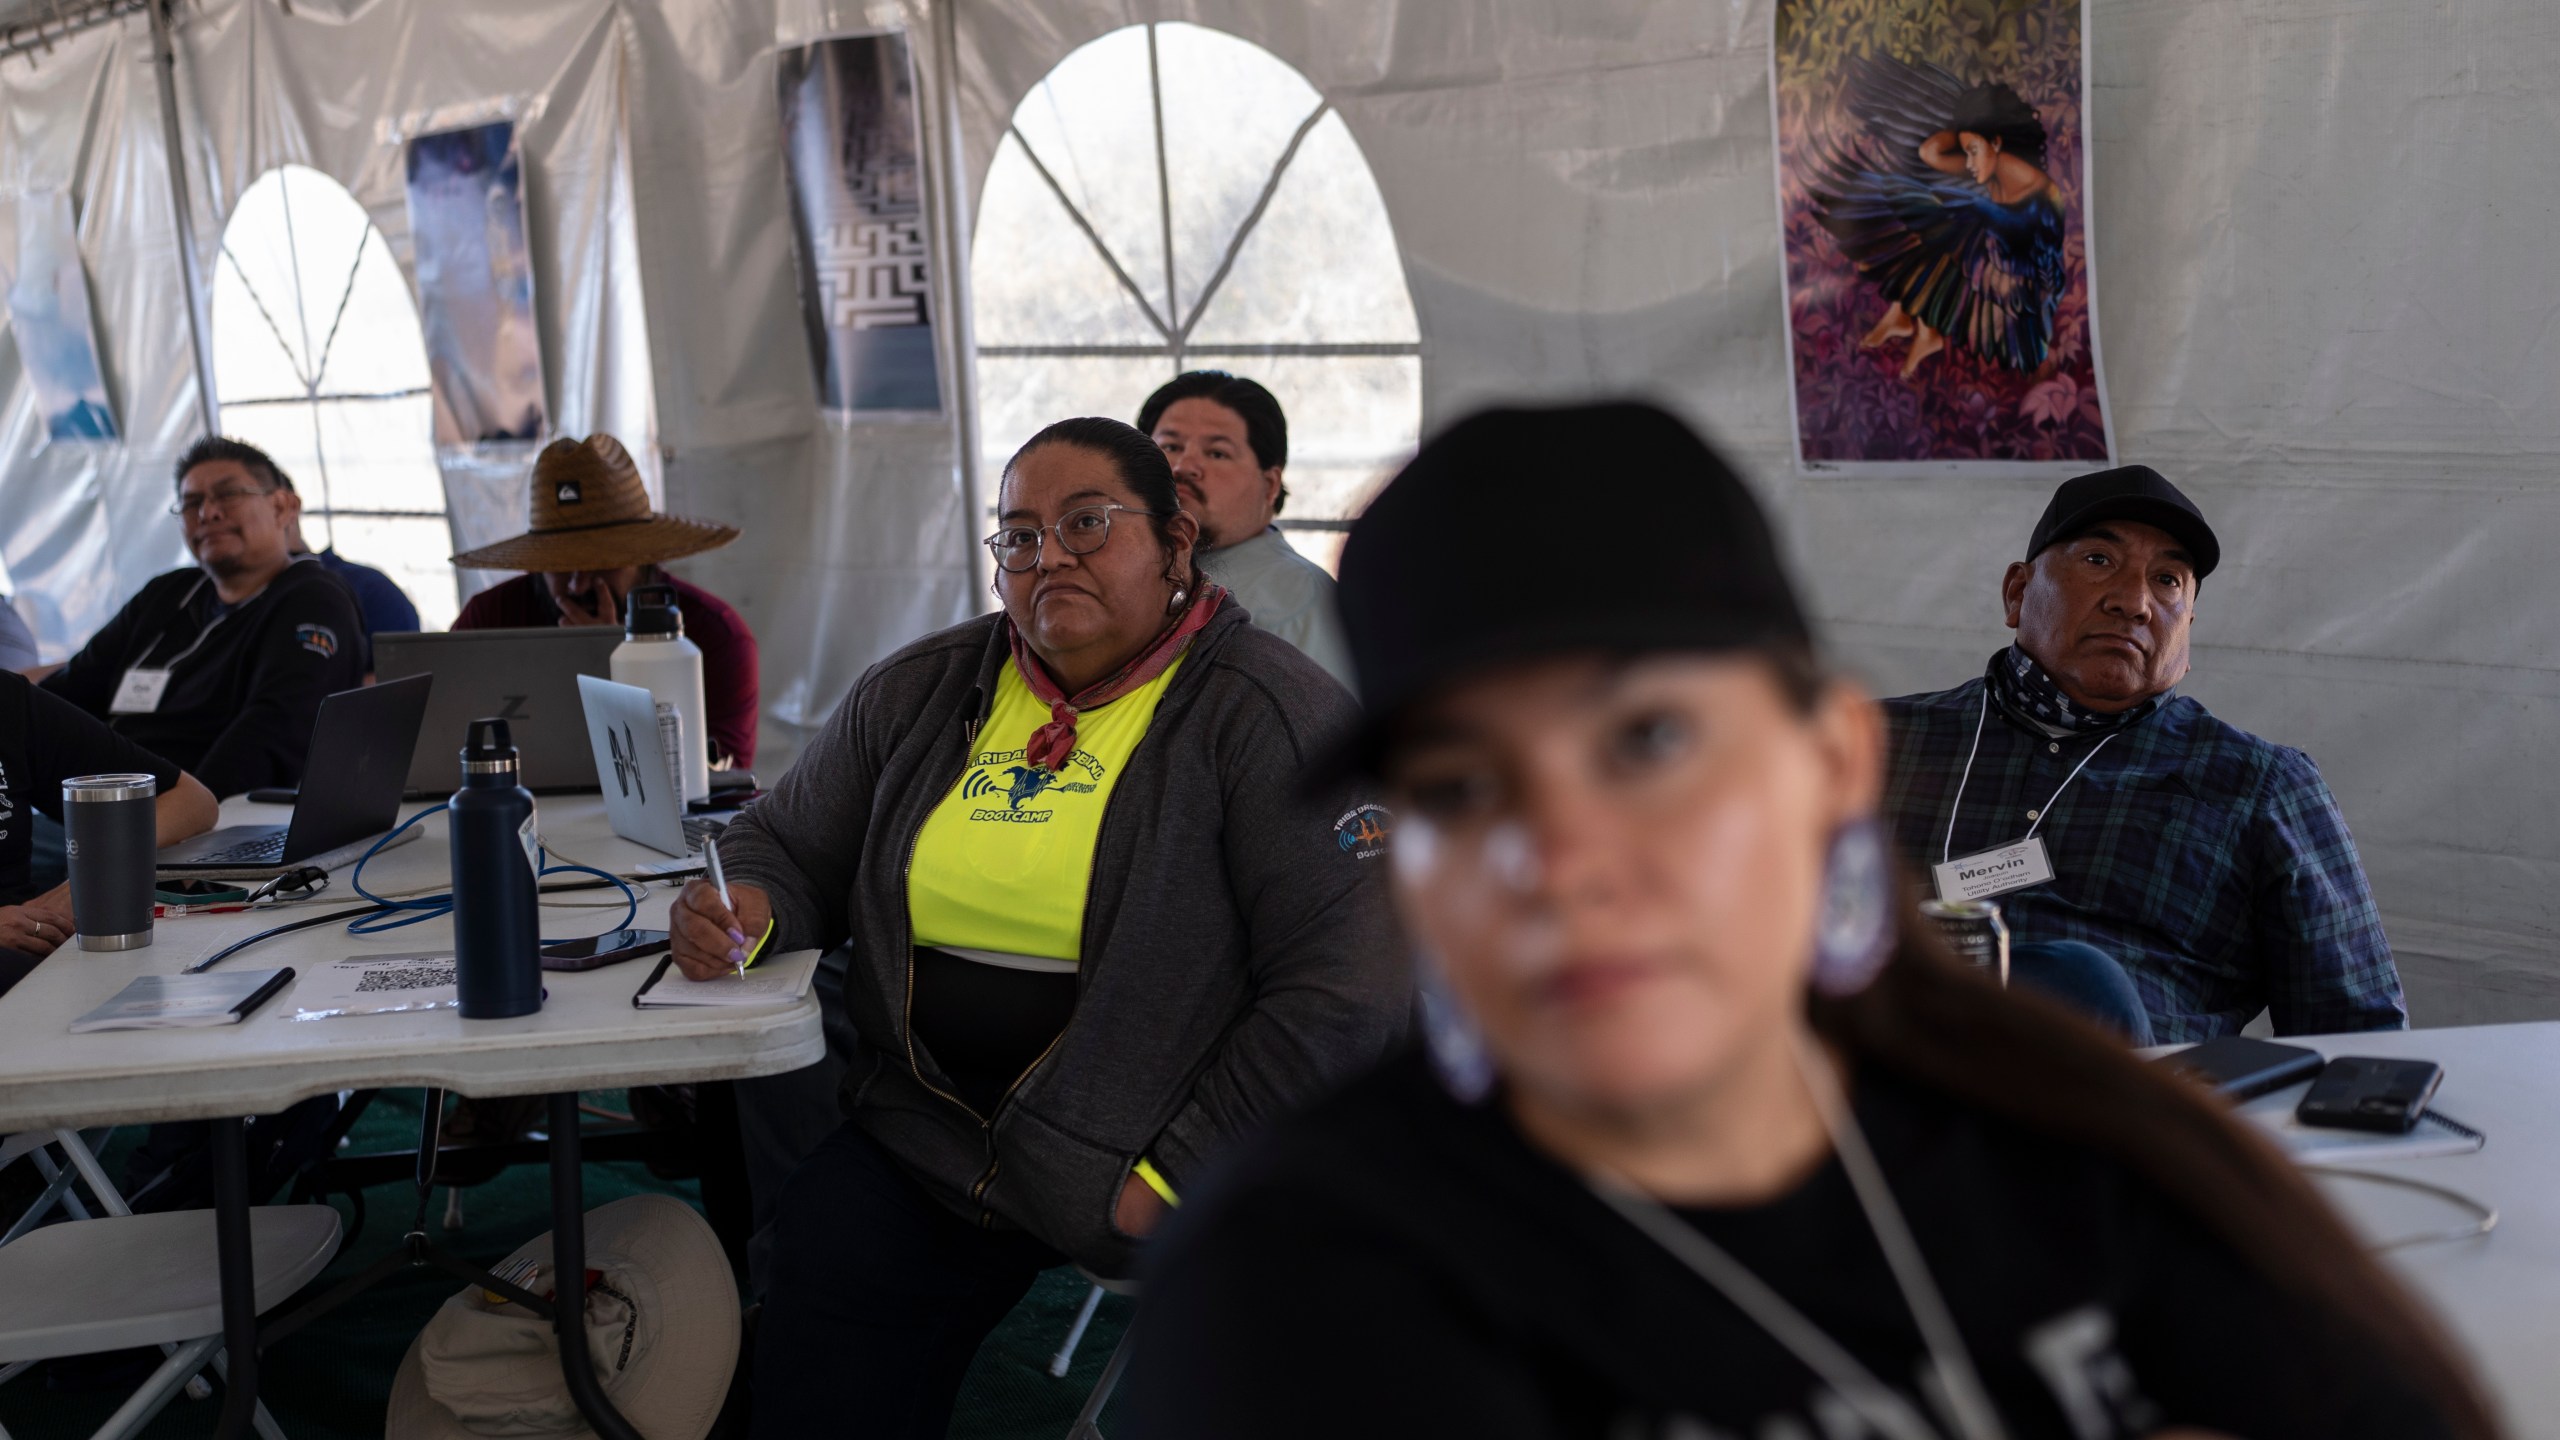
(1512, 536)
(2128, 492)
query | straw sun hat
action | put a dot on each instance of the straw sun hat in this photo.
(590, 511)
(662, 1331)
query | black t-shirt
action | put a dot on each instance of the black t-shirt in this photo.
(239, 706)
(43, 742)
(1395, 1264)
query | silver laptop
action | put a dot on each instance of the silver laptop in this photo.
(526, 677)
(360, 749)
(641, 794)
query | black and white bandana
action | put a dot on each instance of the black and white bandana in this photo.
(2028, 691)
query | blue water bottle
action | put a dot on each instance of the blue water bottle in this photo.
(497, 931)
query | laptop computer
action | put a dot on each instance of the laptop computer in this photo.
(360, 749)
(641, 794)
(525, 676)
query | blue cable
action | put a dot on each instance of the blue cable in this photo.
(630, 897)
(429, 907)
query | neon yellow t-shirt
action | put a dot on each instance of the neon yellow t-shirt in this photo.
(1004, 860)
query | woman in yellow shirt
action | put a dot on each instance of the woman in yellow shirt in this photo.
(1094, 931)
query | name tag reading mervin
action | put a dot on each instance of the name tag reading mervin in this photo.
(1993, 872)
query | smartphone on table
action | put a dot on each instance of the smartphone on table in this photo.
(2359, 1092)
(2242, 1066)
(594, 952)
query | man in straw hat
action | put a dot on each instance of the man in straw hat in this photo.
(593, 540)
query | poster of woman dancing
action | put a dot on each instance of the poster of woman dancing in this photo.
(1933, 189)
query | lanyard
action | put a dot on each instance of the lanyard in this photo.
(1946, 851)
(206, 634)
(1877, 1403)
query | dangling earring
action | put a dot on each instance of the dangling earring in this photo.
(1854, 934)
(1450, 1037)
(1174, 606)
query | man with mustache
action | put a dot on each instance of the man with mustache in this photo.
(1229, 444)
(2098, 808)
(221, 666)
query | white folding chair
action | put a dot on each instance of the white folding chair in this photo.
(122, 1280)
(1088, 1424)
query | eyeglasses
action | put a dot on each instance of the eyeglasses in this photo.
(187, 507)
(1080, 531)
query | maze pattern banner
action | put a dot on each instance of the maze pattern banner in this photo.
(851, 137)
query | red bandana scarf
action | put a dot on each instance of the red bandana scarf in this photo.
(1051, 744)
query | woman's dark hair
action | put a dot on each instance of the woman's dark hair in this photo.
(1266, 430)
(240, 452)
(2044, 1068)
(2033, 1063)
(1137, 459)
(1996, 112)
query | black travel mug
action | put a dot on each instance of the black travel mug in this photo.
(108, 825)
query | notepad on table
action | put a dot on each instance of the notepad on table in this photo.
(779, 980)
(177, 1002)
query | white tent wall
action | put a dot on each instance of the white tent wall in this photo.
(2322, 230)
(82, 524)
(659, 225)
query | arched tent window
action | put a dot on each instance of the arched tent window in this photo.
(318, 360)
(1172, 197)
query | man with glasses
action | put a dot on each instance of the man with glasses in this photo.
(221, 667)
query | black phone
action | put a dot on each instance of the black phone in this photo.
(2358, 1092)
(594, 952)
(2240, 1066)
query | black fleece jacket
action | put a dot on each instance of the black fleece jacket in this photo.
(1239, 955)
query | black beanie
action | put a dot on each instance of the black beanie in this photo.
(1509, 537)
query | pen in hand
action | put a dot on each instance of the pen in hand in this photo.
(720, 882)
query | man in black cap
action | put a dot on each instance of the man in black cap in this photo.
(2099, 809)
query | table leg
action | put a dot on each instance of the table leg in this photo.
(239, 1276)
(569, 1275)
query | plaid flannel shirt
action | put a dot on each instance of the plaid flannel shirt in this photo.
(2213, 864)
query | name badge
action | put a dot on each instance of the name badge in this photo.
(1994, 872)
(140, 693)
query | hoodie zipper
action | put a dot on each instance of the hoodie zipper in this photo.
(1093, 865)
(906, 872)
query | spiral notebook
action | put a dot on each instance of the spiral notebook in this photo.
(774, 980)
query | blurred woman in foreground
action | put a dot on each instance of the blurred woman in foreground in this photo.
(1711, 1140)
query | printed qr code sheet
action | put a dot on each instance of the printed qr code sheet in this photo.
(405, 977)
(377, 985)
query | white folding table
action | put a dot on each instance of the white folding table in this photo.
(2498, 1294)
(587, 1035)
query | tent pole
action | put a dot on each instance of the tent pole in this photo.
(951, 227)
(164, 67)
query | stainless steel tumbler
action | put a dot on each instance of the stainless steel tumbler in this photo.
(108, 828)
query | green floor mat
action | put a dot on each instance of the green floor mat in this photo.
(332, 1380)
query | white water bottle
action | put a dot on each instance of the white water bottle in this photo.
(655, 656)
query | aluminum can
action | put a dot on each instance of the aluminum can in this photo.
(1974, 930)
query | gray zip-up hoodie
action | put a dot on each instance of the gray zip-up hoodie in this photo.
(1239, 953)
